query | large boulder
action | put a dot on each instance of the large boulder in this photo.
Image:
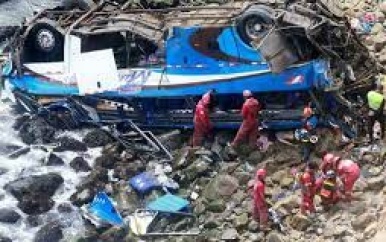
(45, 185)
(34, 192)
(230, 235)
(79, 164)
(70, 144)
(36, 130)
(97, 138)
(9, 216)
(222, 186)
(51, 232)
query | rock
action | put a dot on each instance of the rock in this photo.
(97, 138)
(34, 192)
(107, 160)
(9, 216)
(288, 203)
(79, 164)
(212, 224)
(34, 221)
(4, 239)
(243, 177)
(70, 144)
(286, 182)
(124, 170)
(33, 205)
(51, 232)
(230, 235)
(274, 237)
(278, 176)
(216, 206)
(36, 130)
(300, 222)
(221, 186)
(197, 168)
(241, 221)
(371, 230)
(53, 160)
(361, 222)
(253, 237)
(379, 41)
(20, 120)
(45, 185)
(382, 7)
(113, 234)
(255, 157)
(376, 183)
(81, 197)
(253, 226)
(377, 29)
(65, 208)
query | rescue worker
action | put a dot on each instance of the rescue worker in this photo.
(329, 191)
(307, 182)
(310, 122)
(249, 127)
(260, 208)
(202, 124)
(348, 172)
(376, 103)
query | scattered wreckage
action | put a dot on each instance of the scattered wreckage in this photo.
(112, 62)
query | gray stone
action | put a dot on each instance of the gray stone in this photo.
(216, 206)
(80, 164)
(255, 157)
(230, 234)
(253, 226)
(274, 237)
(53, 160)
(221, 186)
(362, 221)
(300, 222)
(50, 232)
(376, 183)
(253, 237)
(241, 221)
(9, 216)
(371, 230)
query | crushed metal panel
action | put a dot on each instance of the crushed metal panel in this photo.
(277, 52)
(297, 19)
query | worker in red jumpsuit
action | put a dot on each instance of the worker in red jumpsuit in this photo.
(249, 127)
(202, 124)
(348, 172)
(328, 161)
(307, 182)
(260, 209)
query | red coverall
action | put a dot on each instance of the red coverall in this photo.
(260, 207)
(248, 129)
(307, 181)
(202, 124)
(348, 171)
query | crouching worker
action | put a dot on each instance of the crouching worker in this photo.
(260, 208)
(202, 124)
(329, 189)
(348, 172)
(307, 182)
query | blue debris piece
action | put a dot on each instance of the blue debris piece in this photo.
(144, 182)
(169, 203)
(103, 208)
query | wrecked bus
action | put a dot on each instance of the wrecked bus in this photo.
(152, 65)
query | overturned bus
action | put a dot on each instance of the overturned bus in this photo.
(152, 65)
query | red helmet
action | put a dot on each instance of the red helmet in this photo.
(261, 173)
(329, 158)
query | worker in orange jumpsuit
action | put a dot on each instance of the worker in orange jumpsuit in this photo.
(260, 209)
(249, 127)
(307, 182)
(348, 172)
(202, 124)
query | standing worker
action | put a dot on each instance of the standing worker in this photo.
(306, 135)
(376, 103)
(260, 209)
(249, 127)
(307, 182)
(202, 124)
